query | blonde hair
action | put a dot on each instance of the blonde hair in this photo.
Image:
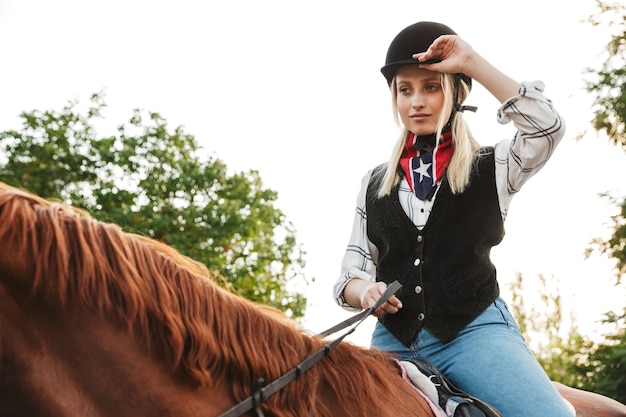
(465, 146)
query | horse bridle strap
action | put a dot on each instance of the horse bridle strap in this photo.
(260, 393)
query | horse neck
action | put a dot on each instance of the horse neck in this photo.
(354, 382)
(55, 365)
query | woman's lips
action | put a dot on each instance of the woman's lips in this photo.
(419, 117)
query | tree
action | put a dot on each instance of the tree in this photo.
(151, 180)
(558, 346)
(609, 83)
(608, 87)
(566, 355)
(605, 369)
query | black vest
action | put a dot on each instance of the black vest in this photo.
(445, 270)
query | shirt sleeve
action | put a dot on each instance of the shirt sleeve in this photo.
(359, 259)
(539, 130)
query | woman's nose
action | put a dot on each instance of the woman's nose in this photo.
(417, 100)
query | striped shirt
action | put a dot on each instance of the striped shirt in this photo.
(539, 130)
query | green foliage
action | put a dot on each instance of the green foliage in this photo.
(566, 355)
(609, 83)
(557, 345)
(609, 91)
(150, 179)
(615, 246)
(602, 367)
(604, 371)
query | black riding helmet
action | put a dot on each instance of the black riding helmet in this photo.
(411, 40)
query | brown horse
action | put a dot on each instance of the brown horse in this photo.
(98, 322)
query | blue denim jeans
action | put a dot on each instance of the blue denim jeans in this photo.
(488, 359)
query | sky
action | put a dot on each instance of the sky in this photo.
(292, 89)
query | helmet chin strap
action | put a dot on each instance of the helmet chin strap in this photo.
(460, 108)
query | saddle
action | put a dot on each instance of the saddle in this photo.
(452, 401)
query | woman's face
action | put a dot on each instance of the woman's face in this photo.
(419, 97)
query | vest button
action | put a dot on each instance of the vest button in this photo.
(417, 262)
(418, 290)
(420, 238)
(421, 316)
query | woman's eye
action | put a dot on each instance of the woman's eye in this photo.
(432, 87)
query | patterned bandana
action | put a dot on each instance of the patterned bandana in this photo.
(424, 169)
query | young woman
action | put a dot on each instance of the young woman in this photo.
(430, 216)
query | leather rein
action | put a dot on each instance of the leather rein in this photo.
(260, 393)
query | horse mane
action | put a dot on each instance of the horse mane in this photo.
(171, 301)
